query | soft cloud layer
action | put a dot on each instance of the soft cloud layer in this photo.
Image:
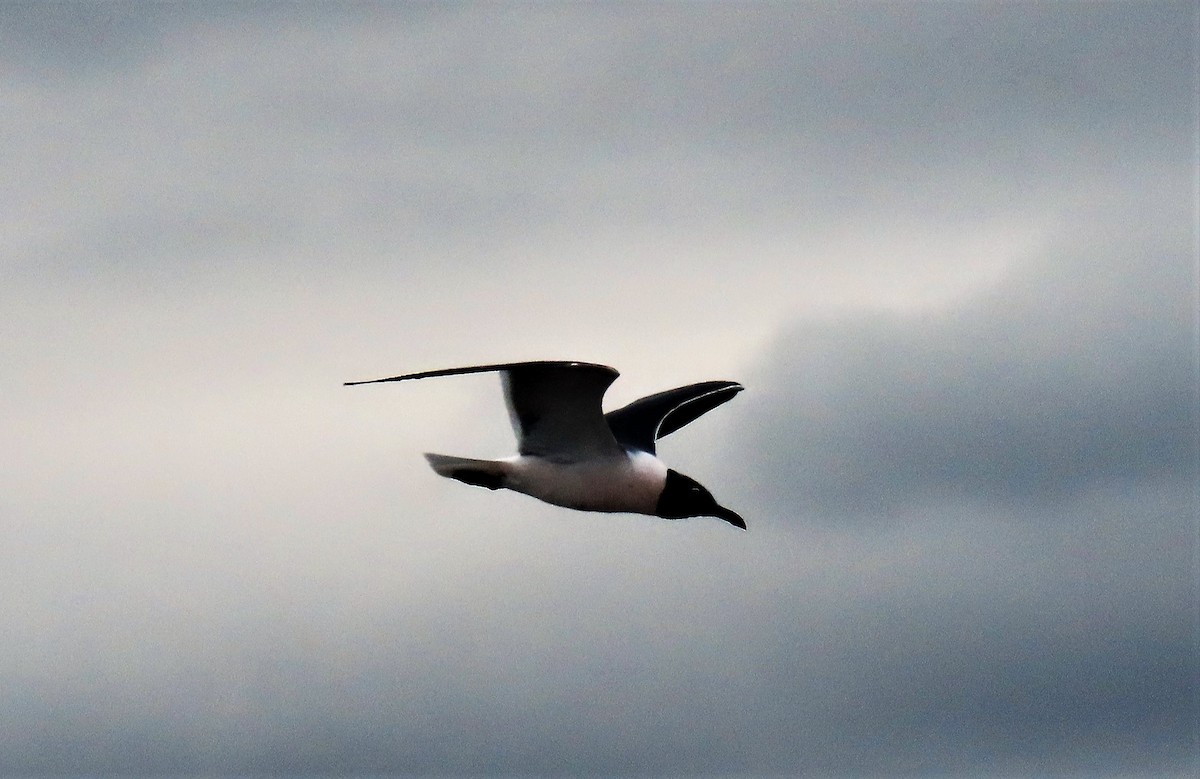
(950, 250)
(1032, 457)
(1077, 371)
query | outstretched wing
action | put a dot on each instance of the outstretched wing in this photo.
(644, 421)
(555, 407)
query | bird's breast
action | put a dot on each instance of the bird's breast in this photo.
(631, 483)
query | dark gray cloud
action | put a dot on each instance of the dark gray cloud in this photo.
(399, 131)
(1079, 370)
(54, 40)
(954, 643)
(1063, 406)
(1024, 652)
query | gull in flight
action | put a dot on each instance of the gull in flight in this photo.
(572, 454)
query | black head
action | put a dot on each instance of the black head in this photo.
(683, 496)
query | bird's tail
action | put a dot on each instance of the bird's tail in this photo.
(480, 473)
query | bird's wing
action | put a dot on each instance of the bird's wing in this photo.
(644, 421)
(555, 407)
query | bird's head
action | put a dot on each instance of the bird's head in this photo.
(683, 496)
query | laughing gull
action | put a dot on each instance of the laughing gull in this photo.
(572, 454)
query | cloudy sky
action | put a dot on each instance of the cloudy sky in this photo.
(948, 248)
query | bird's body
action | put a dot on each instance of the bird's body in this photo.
(571, 454)
(630, 482)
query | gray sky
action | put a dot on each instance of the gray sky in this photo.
(949, 248)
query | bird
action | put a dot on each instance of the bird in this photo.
(571, 454)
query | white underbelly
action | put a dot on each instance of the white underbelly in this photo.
(630, 484)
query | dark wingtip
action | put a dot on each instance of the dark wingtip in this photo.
(507, 366)
(372, 381)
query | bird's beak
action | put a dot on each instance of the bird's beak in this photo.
(732, 517)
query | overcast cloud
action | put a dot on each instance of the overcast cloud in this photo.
(949, 248)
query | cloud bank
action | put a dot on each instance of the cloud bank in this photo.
(949, 249)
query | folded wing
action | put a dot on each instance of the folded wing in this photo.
(644, 421)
